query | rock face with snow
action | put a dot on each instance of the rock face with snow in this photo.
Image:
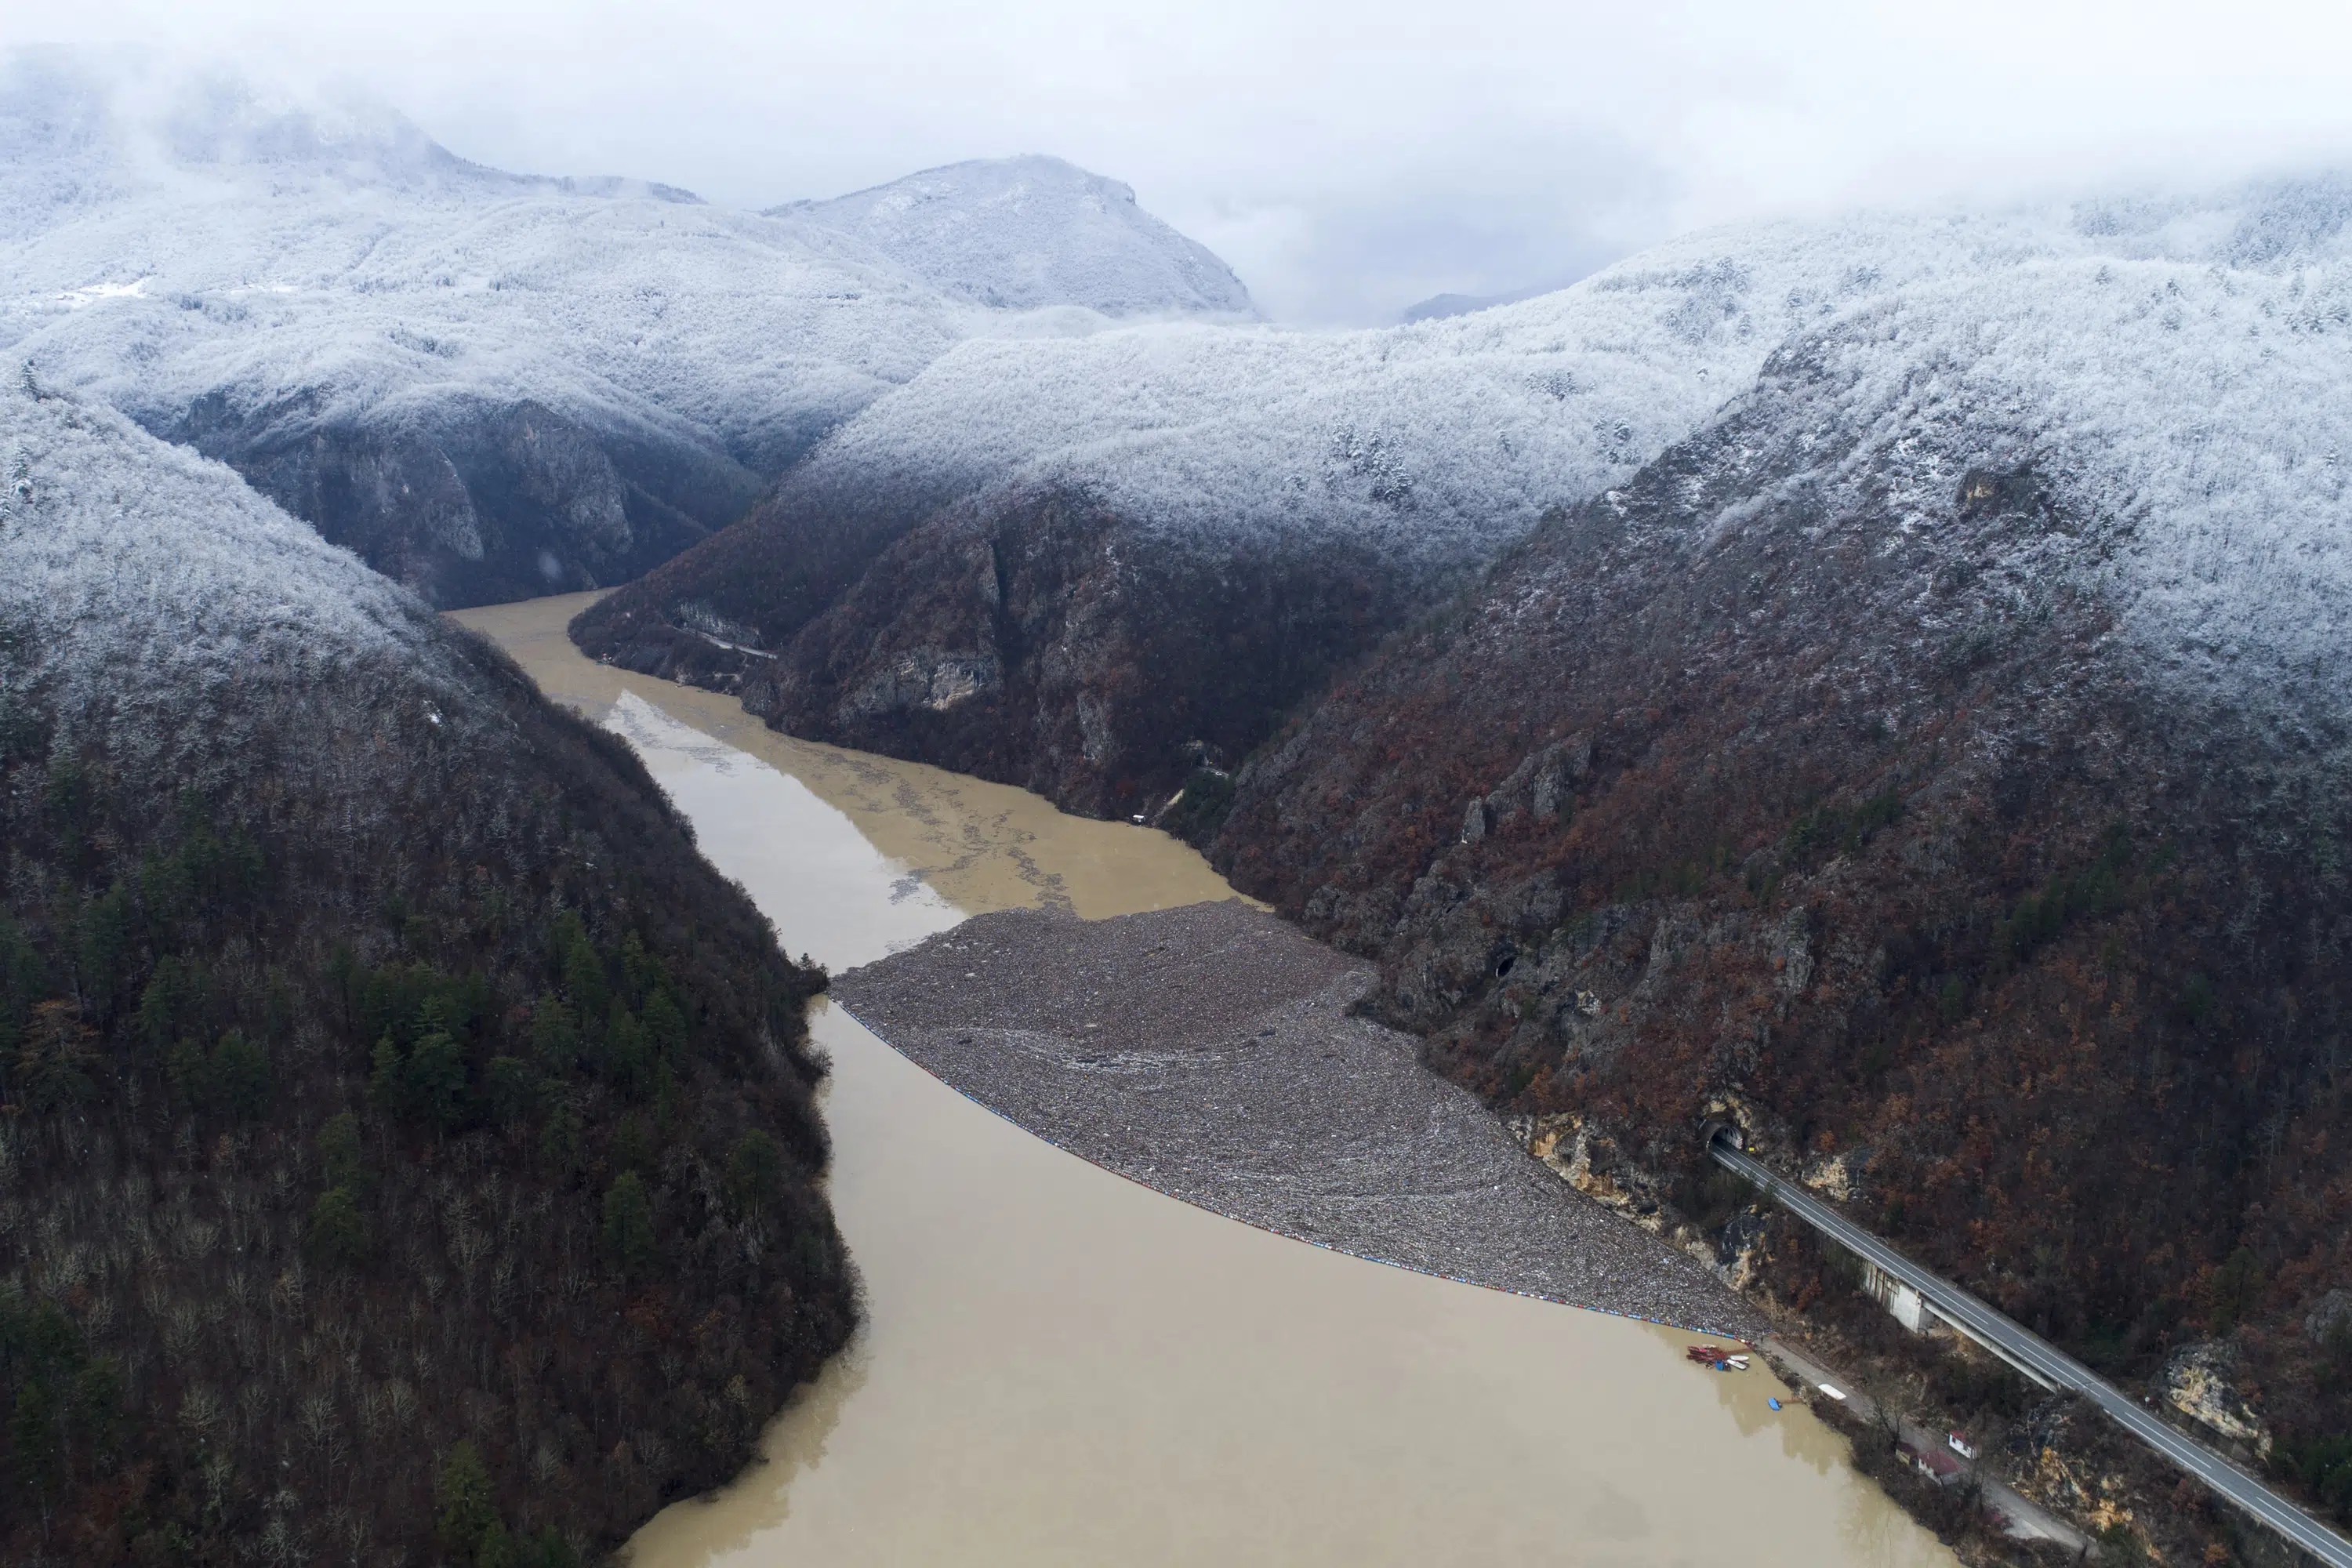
(1944, 750)
(343, 981)
(1136, 547)
(1261, 507)
(493, 386)
(1030, 234)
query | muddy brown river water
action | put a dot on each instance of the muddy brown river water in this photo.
(1061, 1367)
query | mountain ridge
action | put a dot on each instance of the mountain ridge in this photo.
(495, 385)
(944, 223)
(1404, 459)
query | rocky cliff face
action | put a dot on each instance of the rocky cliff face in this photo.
(477, 502)
(1942, 753)
(1049, 641)
(1046, 640)
(2200, 1381)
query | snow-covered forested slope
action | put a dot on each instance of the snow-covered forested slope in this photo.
(342, 981)
(1345, 479)
(2153, 454)
(491, 384)
(1940, 759)
(1475, 423)
(1030, 233)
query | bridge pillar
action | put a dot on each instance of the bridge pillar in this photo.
(1903, 1304)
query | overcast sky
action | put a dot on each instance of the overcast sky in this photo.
(1346, 156)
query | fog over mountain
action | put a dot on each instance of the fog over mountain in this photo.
(492, 385)
(1348, 159)
(1030, 233)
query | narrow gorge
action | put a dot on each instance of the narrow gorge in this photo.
(1099, 1371)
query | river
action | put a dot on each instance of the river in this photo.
(1060, 1367)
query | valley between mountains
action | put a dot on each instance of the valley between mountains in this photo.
(1931, 758)
(1101, 1373)
(1877, 682)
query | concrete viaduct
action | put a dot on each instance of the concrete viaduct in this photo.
(1916, 1297)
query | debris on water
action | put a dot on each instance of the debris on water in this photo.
(1148, 1043)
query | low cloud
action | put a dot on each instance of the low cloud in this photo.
(1347, 158)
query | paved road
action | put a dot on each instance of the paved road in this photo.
(1972, 1317)
(2025, 1519)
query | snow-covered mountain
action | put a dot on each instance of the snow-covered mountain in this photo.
(281, 842)
(2139, 472)
(1437, 439)
(1937, 762)
(1030, 233)
(1366, 474)
(489, 384)
(1475, 423)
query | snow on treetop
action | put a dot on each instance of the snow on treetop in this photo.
(135, 573)
(2194, 421)
(1033, 232)
(1446, 437)
(163, 237)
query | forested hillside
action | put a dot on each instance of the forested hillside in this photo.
(407, 1150)
(1938, 766)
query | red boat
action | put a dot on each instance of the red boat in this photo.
(1722, 1358)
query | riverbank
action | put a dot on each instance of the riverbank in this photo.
(1210, 1053)
(1951, 1487)
(1079, 1371)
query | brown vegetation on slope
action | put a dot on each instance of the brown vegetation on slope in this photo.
(408, 1149)
(2058, 1449)
(1875, 836)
